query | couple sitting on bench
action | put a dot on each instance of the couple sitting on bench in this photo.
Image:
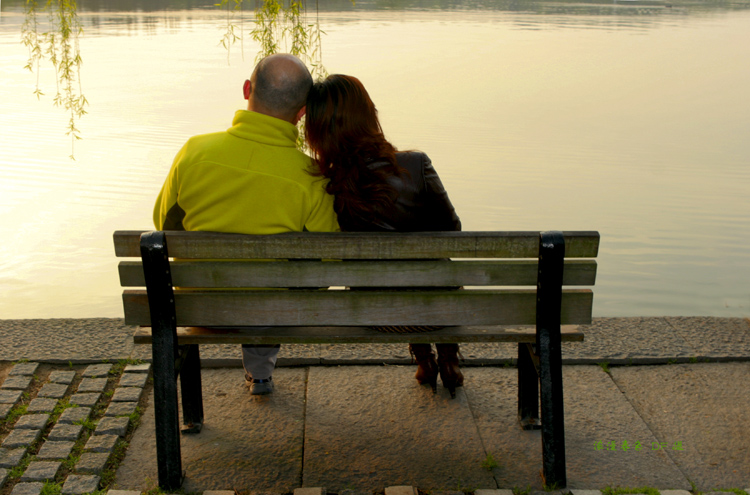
(252, 179)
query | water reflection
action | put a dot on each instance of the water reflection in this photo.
(627, 118)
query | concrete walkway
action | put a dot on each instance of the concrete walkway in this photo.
(353, 418)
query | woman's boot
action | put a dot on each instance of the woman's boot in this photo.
(450, 374)
(427, 367)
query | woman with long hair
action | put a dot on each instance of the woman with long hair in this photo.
(378, 188)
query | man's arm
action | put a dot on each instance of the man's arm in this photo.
(167, 212)
(322, 217)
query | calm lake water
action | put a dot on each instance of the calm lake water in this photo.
(630, 118)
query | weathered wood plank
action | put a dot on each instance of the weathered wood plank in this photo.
(352, 335)
(356, 308)
(208, 274)
(358, 245)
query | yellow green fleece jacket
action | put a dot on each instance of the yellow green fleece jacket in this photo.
(251, 179)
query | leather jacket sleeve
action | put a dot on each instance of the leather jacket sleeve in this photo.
(442, 214)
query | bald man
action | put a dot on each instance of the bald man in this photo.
(251, 179)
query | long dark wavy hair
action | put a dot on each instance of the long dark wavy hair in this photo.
(345, 139)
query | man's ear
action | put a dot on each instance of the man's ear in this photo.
(246, 88)
(300, 114)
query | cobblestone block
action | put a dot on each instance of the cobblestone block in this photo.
(9, 458)
(41, 405)
(92, 385)
(55, 450)
(88, 400)
(356, 492)
(219, 492)
(53, 391)
(32, 422)
(21, 438)
(133, 380)
(41, 471)
(495, 492)
(138, 368)
(310, 491)
(97, 370)
(4, 410)
(400, 490)
(74, 415)
(10, 396)
(598, 492)
(27, 488)
(112, 426)
(19, 382)
(123, 492)
(24, 369)
(80, 484)
(92, 463)
(3, 476)
(121, 408)
(127, 394)
(63, 377)
(65, 433)
(101, 443)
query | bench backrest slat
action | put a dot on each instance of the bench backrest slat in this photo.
(359, 245)
(355, 308)
(210, 274)
(205, 263)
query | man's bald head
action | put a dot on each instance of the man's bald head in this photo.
(279, 87)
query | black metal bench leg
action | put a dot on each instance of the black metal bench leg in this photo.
(164, 345)
(549, 299)
(190, 386)
(528, 389)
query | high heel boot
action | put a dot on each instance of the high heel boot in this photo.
(447, 361)
(427, 367)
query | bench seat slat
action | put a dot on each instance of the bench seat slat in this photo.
(347, 308)
(353, 335)
(358, 245)
(210, 274)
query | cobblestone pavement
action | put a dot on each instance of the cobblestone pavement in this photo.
(69, 419)
(66, 426)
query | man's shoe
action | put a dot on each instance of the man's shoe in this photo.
(261, 387)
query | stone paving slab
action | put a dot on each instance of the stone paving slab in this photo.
(647, 339)
(21, 438)
(127, 394)
(241, 436)
(79, 484)
(595, 411)
(55, 450)
(714, 337)
(706, 407)
(74, 415)
(32, 422)
(4, 410)
(53, 391)
(65, 432)
(41, 471)
(92, 463)
(112, 426)
(97, 370)
(392, 431)
(19, 382)
(27, 369)
(34, 488)
(63, 377)
(10, 396)
(133, 380)
(85, 399)
(9, 458)
(66, 340)
(92, 385)
(41, 405)
(121, 408)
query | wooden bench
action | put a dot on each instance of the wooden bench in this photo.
(211, 270)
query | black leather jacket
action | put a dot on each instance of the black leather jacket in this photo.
(422, 203)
